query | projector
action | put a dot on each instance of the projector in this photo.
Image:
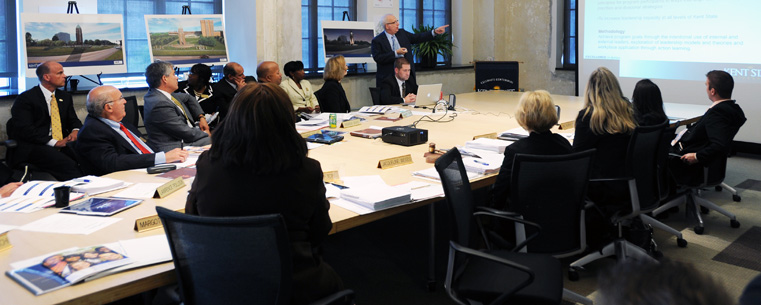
(403, 135)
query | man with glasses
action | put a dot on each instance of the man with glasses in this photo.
(225, 89)
(394, 43)
(109, 145)
(171, 119)
(43, 121)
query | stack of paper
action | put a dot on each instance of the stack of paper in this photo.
(95, 185)
(432, 174)
(492, 145)
(487, 164)
(376, 109)
(377, 197)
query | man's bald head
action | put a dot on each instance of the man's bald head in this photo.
(269, 72)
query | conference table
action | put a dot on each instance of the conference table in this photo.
(477, 114)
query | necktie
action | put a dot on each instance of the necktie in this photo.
(55, 119)
(176, 102)
(395, 46)
(134, 141)
(404, 90)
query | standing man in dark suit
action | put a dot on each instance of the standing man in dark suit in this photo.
(397, 89)
(710, 138)
(109, 145)
(171, 118)
(394, 43)
(43, 120)
(225, 89)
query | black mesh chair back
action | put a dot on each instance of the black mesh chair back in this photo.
(662, 157)
(549, 190)
(715, 172)
(458, 194)
(229, 260)
(375, 95)
(133, 115)
(641, 164)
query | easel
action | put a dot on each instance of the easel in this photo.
(70, 10)
(353, 67)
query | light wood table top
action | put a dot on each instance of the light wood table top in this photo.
(477, 114)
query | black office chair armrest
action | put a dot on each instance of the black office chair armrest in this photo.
(343, 297)
(497, 211)
(612, 179)
(514, 218)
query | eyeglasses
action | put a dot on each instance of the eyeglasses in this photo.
(119, 99)
(395, 21)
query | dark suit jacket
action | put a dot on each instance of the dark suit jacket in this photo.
(711, 136)
(208, 103)
(332, 97)
(166, 125)
(224, 94)
(297, 194)
(30, 120)
(545, 143)
(104, 151)
(389, 90)
(384, 55)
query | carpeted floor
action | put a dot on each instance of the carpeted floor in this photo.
(386, 262)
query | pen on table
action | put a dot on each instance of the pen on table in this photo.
(481, 162)
(182, 144)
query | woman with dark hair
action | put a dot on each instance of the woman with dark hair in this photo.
(252, 168)
(198, 86)
(332, 96)
(299, 89)
(648, 103)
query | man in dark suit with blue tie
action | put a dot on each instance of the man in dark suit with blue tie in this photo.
(43, 120)
(394, 43)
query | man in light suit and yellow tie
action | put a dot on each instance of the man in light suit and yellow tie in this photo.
(171, 119)
(43, 121)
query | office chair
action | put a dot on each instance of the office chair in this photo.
(641, 166)
(233, 260)
(131, 108)
(22, 170)
(491, 276)
(375, 95)
(712, 176)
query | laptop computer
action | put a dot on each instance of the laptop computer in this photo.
(428, 94)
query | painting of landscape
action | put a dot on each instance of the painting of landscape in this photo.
(186, 39)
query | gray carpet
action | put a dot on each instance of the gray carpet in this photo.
(744, 251)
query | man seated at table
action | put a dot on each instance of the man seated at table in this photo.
(710, 138)
(398, 88)
(225, 89)
(170, 118)
(43, 120)
(269, 72)
(108, 145)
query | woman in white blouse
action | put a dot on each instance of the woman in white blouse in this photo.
(299, 90)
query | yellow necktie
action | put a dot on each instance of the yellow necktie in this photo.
(176, 102)
(55, 119)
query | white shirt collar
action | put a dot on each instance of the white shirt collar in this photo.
(167, 94)
(46, 93)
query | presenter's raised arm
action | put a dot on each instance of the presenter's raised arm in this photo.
(440, 30)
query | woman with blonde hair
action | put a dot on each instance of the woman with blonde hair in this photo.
(606, 124)
(537, 114)
(331, 96)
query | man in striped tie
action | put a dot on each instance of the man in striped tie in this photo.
(108, 145)
(171, 119)
(42, 121)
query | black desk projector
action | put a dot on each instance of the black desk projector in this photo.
(403, 135)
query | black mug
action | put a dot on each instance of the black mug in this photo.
(62, 196)
(74, 83)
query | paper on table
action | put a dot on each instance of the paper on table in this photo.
(357, 181)
(191, 160)
(139, 190)
(69, 224)
(356, 208)
(313, 145)
(332, 191)
(6, 228)
(143, 251)
(25, 204)
(421, 190)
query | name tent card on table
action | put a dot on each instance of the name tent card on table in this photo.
(567, 125)
(5, 243)
(395, 161)
(169, 187)
(331, 176)
(306, 134)
(492, 135)
(150, 222)
(351, 123)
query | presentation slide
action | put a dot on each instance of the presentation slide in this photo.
(675, 43)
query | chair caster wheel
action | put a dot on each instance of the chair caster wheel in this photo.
(736, 198)
(704, 210)
(573, 275)
(681, 242)
(717, 188)
(734, 223)
(698, 230)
